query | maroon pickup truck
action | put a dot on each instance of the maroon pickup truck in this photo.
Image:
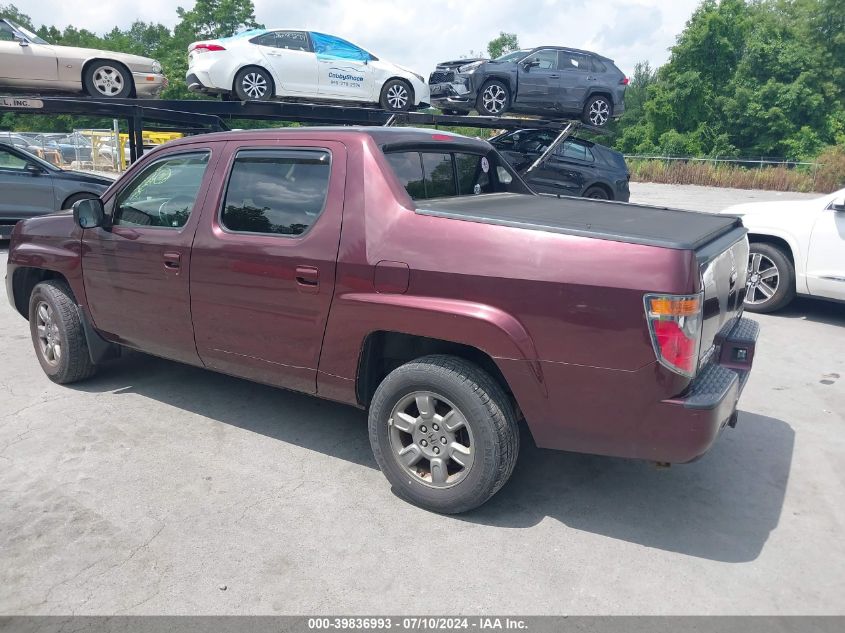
(411, 273)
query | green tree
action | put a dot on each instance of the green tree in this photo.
(504, 43)
(12, 13)
(210, 19)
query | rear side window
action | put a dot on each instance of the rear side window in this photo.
(574, 61)
(276, 192)
(442, 174)
(164, 194)
(598, 67)
(578, 151)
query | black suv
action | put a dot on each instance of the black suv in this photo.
(545, 80)
(577, 167)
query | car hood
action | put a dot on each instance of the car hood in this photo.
(771, 209)
(455, 63)
(80, 176)
(134, 62)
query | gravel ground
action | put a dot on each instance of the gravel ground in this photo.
(149, 488)
(705, 198)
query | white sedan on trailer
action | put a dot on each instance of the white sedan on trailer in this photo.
(797, 247)
(260, 64)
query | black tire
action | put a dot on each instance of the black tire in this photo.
(490, 425)
(494, 98)
(397, 95)
(254, 84)
(108, 80)
(73, 362)
(782, 283)
(597, 193)
(597, 111)
(76, 198)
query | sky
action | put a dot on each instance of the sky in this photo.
(420, 34)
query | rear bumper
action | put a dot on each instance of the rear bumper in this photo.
(622, 414)
(149, 85)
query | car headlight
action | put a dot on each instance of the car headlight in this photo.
(468, 68)
(156, 67)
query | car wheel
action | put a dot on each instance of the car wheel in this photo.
(597, 193)
(253, 84)
(107, 79)
(57, 334)
(72, 200)
(397, 96)
(598, 111)
(771, 278)
(443, 433)
(494, 99)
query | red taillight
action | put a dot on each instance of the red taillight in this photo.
(623, 81)
(205, 48)
(674, 322)
(441, 137)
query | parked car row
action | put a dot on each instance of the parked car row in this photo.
(263, 64)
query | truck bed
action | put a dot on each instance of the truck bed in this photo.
(632, 223)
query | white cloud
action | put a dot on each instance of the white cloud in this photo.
(418, 35)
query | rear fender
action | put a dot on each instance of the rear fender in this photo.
(355, 316)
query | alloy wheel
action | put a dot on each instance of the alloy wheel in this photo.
(49, 339)
(108, 81)
(494, 98)
(431, 439)
(763, 279)
(254, 85)
(397, 96)
(599, 112)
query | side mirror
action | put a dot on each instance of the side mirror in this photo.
(838, 205)
(22, 41)
(33, 169)
(531, 63)
(89, 213)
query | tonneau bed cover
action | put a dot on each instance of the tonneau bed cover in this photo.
(632, 223)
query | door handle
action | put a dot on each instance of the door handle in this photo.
(172, 260)
(307, 278)
(554, 76)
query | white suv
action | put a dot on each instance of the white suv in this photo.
(260, 64)
(797, 247)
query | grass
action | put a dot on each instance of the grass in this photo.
(826, 176)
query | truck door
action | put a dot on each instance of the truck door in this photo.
(263, 262)
(538, 82)
(826, 254)
(136, 271)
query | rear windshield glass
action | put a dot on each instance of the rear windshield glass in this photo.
(427, 174)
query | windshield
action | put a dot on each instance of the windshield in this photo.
(514, 56)
(32, 37)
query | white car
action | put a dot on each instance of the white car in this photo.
(797, 247)
(260, 64)
(29, 63)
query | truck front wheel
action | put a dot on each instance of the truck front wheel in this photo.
(57, 334)
(443, 433)
(771, 278)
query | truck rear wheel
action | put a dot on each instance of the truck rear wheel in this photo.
(57, 334)
(443, 433)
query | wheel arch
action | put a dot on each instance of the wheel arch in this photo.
(600, 92)
(89, 62)
(384, 350)
(792, 251)
(505, 78)
(24, 279)
(601, 185)
(774, 240)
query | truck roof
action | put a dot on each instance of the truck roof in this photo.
(383, 136)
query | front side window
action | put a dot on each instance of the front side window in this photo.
(292, 40)
(11, 161)
(330, 47)
(164, 194)
(6, 33)
(277, 192)
(547, 60)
